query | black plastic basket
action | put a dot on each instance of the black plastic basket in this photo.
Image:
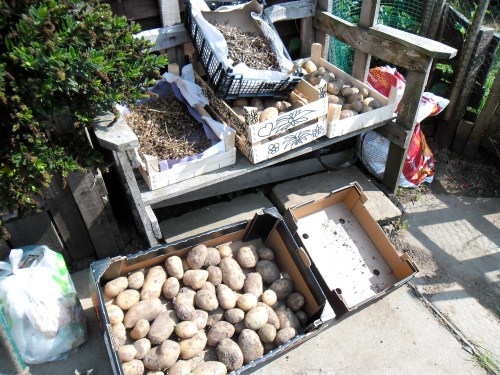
(226, 84)
(214, 4)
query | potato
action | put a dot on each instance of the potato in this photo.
(241, 102)
(191, 347)
(356, 105)
(126, 353)
(313, 79)
(200, 319)
(269, 271)
(219, 331)
(234, 316)
(128, 298)
(208, 286)
(282, 287)
(162, 356)
(142, 347)
(240, 326)
(186, 329)
(232, 275)
(150, 372)
(247, 301)
(365, 109)
(115, 314)
(269, 297)
(273, 317)
(114, 287)
(215, 316)
(346, 113)
(334, 99)
(256, 318)
(119, 334)
(334, 87)
(287, 319)
(230, 354)
(185, 311)
(267, 333)
(185, 295)
(283, 106)
(206, 300)
(195, 278)
(197, 256)
(214, 275)
(265, 253)
(295, 301)
(134, 367)
(147, 309)
(309, 66)
(302, 316)
(180, 368)
(162, 327)
(285, 335)
(364, 91)
(253, 284)
(247, 256)
(250, 345)
(140, 330)
(135, 280)
(171, 287)
(268, 113)
(371, 102)
(210, 368)
(174, 267)
(153, 283)
(225, 251)
(213, 257)
(227, 298)
(354, 96)
(346, 91)
(257, 103)
(298, 103)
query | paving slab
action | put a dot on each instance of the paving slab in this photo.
(317, 186)
(458, 241)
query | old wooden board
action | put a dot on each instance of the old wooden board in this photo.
(165, 37)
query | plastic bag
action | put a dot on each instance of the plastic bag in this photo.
(373, 149)
(39, 301)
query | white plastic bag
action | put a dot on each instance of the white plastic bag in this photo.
(39, 301)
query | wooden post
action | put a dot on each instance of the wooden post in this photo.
(427, 17)
(438, 18)
(367, 18)
(322, 37)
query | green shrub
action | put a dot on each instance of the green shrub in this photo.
(61, 57)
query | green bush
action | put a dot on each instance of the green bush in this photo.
(61, 57)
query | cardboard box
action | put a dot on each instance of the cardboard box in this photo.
(352, 258)
(266, 229)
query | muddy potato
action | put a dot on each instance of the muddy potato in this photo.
(180, 368)
(114, 287)
(227, 298)
(334, 87)
(232, 275)
(142, 347)
(355, 96)
(240, 326)
(213, 257)
(210, 368)
(219, 331)
(171, 287)
(234, 316)
(356, 105)
(268, 114)
(208, 286)
(302, 316)
(119, 334)
(214, 275)
(128, 298)
(162, 327)
(283, 106)
(250, 345)
(365, 109)
(115, 314)
(195, 278)
(265, 253)
(285, 335)
(206, 300)
(247, 256)
(153, 283)
(287, 319)
(273, 318)
(140, 330)
(147, 309)
(310, 67)
(241, 102)
(346, 91)
(225, 251)
(334, 99)
(185, 295)
(215, 316)
(193, 346)
(200, 319)
(364, 91)
(269, 271)
(346, 113)
(185, 311)
(133, 367)
(247, 301)
(267, 333)
(186, 329)
(174, 267)
(162, 356)
(230, 354)
(126, 353)
(253, 284)
(295, 301)
(197, 256)
(282, 287)
(135, 280)
(256, 318)
(257, 102)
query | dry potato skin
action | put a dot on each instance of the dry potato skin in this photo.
(229, 353)
(250, 345)
(219, 331)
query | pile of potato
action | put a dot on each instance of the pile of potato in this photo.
(207, 313)
(352, 99)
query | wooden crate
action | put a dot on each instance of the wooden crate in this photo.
(338, 127)
(260, 141)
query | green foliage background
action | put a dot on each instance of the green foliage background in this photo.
(61, 57)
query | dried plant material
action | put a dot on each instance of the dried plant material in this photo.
(165, 129)
(249, 48)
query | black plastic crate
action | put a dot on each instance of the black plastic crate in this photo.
(226, 84)
(214, 4)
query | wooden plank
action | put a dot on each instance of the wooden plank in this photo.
(464, 129)
(68, 220)
(322, 37)
(114, 133)
(426, 46)
(427, 17)
(165, 37)
(169, 12)
(290, 11)
(436, 20)
(391, 51)
(367, 18)
(154, 222)
(89, 201)
(306, 36)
